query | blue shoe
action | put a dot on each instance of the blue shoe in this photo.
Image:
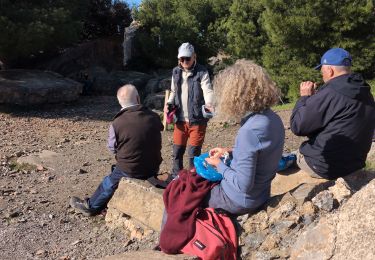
(287, 160)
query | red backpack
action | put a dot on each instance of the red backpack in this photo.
(215, 237)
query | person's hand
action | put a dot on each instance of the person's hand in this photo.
(216, 152)
(209, 107)
(166, 108)
(214, 161)
(307, 88)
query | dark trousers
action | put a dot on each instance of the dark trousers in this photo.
(106, 189)
(185, 134)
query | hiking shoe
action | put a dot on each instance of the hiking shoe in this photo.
(82, 206)
(170, 178)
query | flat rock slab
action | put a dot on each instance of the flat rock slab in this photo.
(149, 255)
(289, 180)
(35, 87)
(46, 159)
(139, 200)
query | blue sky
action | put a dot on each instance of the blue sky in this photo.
(132, 2)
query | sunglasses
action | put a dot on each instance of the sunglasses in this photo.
(182, 59)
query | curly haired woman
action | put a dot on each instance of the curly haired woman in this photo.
(244, 89)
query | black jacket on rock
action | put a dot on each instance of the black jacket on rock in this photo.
(339, 122)
(138, 141)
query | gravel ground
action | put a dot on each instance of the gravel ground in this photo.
(35, 218)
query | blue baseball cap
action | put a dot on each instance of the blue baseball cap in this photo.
(335, 57)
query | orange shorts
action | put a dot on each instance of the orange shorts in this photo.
(184, 131)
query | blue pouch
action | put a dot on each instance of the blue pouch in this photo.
(205, 170)
(286, 161)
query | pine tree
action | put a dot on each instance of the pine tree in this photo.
(28, 28)
(245, 36)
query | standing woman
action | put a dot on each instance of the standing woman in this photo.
(190, 89)
(244, 89)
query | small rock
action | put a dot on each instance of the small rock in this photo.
(13, 214)
(51, 216)
(304, 192)
(324, 200)
(254, 240)
(22, 220)
(341, 190)
(261, 255)
(76, 242)
(50, 178)
(282, 212)
(19, 153)
(82, 171)
(256, 222)
(308, 219)
(40, 168)
(271, 242)
(282, 227)
(65, 140)
(308, 208)
(86, 164)
(33, 191)
(41, 252)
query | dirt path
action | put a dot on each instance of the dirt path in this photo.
(35, 219)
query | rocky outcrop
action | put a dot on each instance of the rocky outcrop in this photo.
(348, 234)
(306, 219)
(106, 53)
(155, 91)
(107, 83)
(34, 87)
(128, 44)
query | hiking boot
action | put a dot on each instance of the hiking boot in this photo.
(82, 206)
(170, 178)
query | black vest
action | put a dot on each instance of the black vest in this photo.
(195, 94)
(138, 141)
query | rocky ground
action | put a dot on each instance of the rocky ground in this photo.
(35, 218)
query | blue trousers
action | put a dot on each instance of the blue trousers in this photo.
(106, 189)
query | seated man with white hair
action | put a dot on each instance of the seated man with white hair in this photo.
(135, 139)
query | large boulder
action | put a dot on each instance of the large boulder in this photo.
(348, 234)
(155, 101)
(139, 200)
(107, 83)
(35, 87)
(106, 53)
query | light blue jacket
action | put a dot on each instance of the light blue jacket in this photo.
(257, 151)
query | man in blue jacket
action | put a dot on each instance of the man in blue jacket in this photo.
(338, 119)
